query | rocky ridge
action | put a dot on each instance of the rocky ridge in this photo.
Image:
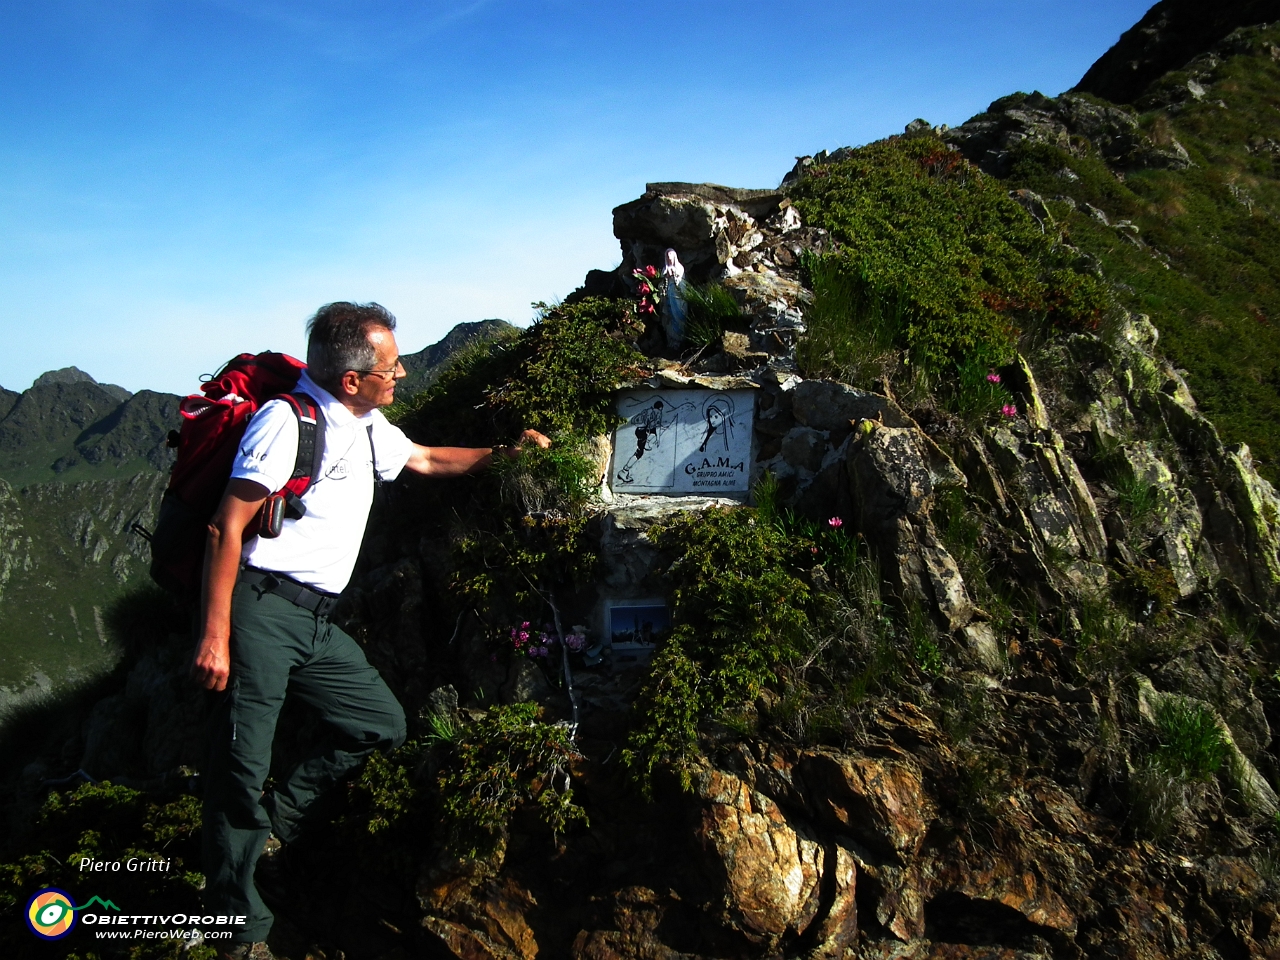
(904, 844)
(1170, 34)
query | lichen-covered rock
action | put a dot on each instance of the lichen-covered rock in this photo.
(1253, 787)
(894, 473)
(1258, 509)
(881, 804)
(1066, 122)
(489, 924)
(765, 872)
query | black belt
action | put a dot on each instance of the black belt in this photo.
(299, 594)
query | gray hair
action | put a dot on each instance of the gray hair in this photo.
(338, 339)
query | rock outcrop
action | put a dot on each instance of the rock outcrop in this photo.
(1171, 33)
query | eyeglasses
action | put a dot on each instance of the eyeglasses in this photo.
(381, 374)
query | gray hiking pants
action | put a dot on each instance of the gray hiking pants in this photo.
(280, 649)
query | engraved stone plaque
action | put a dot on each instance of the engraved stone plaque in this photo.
(683, 442)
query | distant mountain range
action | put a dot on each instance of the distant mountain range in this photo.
(81, 462)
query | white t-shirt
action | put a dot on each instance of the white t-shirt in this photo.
(321, 548)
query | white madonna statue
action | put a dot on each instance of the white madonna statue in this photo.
(674, 309)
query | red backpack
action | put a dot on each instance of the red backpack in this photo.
(213, 423)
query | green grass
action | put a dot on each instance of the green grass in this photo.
(711, 310)
(851, 333)
(1138, 497)
(1191, 745)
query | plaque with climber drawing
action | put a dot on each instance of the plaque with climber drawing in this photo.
(683, 442)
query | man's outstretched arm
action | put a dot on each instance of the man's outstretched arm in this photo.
(212, 664)
(458, 461)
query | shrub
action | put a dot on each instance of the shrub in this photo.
(933, 252)
(558, 376)
(740, 610)
(107, 822)
(383, 791)
(561, 479)
(499, 762)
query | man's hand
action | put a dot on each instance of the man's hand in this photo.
(539, 440)
(459, 461)
(212, 665)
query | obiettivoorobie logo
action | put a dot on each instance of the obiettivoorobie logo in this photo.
(51, 913)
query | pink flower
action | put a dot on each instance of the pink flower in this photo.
(650, 272)
(1009, 410)
(993, 378)
(835, 523)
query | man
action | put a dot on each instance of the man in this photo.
(265, 629)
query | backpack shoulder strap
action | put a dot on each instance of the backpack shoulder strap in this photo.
(306, 465)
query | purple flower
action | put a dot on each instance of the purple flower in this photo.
(835, 523)
(575, 642)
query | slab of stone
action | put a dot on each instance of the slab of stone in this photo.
(683, 441)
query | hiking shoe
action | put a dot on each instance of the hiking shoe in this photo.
(272, 847)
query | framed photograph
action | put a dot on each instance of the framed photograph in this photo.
(635, 626)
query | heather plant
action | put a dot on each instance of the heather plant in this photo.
(507, 758)
(740, 611)
(933, 252)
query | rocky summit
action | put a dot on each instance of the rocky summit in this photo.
(902, 581)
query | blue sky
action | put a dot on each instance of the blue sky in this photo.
(182, 180)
